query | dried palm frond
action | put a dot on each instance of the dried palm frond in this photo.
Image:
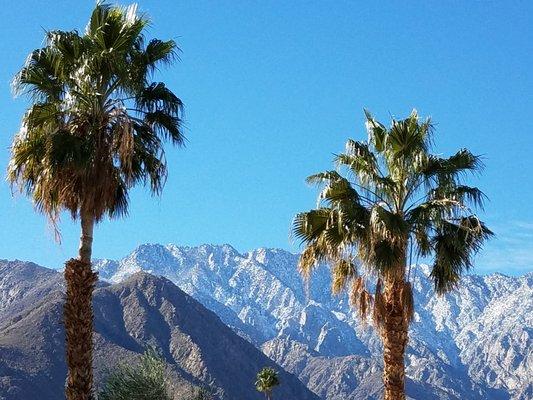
(360, 298)
(378, 312)
(407, 300)
(343, 271)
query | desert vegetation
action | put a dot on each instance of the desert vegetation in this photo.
(143, 380)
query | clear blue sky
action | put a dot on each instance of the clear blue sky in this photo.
(273, 88)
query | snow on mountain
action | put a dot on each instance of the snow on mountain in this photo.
(474, 343)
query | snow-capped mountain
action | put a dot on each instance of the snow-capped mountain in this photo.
(474, 343)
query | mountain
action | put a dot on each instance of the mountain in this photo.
(143, 310)
(24, 283)
(473, 343)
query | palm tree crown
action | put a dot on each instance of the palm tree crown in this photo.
(397, 197)
(97, 120)
(266, 380)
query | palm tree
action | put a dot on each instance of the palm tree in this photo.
(94, 130)
(397, 203)
(267, 379)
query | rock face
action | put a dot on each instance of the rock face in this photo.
(474, 343)
(143, 310)
(24, 283)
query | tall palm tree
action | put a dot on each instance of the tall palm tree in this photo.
(267, 379)
(396, 203)
(94, 130)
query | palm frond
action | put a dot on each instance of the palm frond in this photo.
(407, 138)
(455, 244)
(338, 192)
(343, 271)
(360, 298)
(377, 132)
(461, 194)
(159, 52)
(42, 77)
(308, 226)
(451, 167)
(387, 225)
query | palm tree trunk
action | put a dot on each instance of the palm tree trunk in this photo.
(395, 335)
(86, 238)
(78, 315)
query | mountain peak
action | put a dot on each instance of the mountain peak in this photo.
(204, 247)
(142, 278)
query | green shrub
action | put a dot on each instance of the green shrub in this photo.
(144, 380)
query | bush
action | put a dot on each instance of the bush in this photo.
(145, 380)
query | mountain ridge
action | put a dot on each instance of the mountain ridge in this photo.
(260, 295)
(143, 310)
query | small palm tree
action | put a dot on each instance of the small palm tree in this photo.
(94, 130)
(397, 203)
(267, 379)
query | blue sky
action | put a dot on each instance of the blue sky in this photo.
(272, 89)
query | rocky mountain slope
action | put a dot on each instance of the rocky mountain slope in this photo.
(474, 343)
(142, 310)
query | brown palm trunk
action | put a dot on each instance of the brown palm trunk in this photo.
(394, 335)
(78, 315)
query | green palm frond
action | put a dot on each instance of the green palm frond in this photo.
(166, 125)
(387, 225)
(42, 78)
(360, 159)
(454, 246)
(462, 194)
(157, 96)
(407, 138)
(446, 169)
(338, 193)
(308, 226)
(159, 52)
